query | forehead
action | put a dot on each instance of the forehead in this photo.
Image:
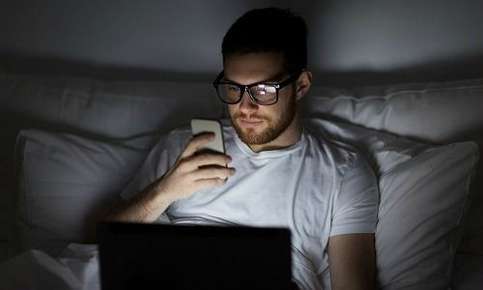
(253, 67)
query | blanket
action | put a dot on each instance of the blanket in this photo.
(76, 268)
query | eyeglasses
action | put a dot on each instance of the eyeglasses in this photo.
(261, 93)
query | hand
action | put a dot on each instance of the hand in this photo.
(195, 170)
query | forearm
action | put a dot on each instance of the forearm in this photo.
(360, 281)
(191, 173)
(144, 207)
(352, 262)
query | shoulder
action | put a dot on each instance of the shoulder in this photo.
(178, 137)
(175, 138)
(341, 155)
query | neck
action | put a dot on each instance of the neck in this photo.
(290, 136)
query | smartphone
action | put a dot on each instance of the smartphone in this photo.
(204, 125)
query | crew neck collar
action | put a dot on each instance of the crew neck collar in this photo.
(270, 153)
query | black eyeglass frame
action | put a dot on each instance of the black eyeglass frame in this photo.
(246, 88)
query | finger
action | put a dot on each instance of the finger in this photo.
(206, 159)
(197, 142)
(211, 182)
(213, 172)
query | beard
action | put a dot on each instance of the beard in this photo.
(275, 126)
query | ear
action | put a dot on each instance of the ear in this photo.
(303, 84)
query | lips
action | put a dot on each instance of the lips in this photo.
(250, 122)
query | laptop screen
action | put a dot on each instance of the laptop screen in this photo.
(140, 256)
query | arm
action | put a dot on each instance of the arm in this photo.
(146, 206)
(351, 246)
(191, 172)
(352, 261)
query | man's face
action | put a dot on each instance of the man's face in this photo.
(258, 124)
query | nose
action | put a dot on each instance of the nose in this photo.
(246, 104)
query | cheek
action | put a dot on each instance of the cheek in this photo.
(289, 103)
(281, 107)
(231, 110)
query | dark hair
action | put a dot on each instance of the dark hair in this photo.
(269, 30)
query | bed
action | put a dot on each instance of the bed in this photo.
(70, 144)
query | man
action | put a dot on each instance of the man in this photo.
(279, 173)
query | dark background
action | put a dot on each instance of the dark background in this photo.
(351, 41)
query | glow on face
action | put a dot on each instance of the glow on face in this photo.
(258, 124)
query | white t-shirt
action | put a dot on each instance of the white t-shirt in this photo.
(317, 188)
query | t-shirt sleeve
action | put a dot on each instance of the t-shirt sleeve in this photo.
(356, 203)
(161, 157)
(148, 172)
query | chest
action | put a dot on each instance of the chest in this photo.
(269, 193)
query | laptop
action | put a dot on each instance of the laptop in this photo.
(160, 256)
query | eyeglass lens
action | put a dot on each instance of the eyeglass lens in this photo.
(262, 93)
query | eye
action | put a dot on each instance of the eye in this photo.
(263, 89)
(232, 88)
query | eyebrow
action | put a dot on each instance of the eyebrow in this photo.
(271, 79)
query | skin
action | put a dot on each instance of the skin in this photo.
(352, 261)
(351, 257)
(251, 120)
(190, 173)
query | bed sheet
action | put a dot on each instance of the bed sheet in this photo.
(77, 267)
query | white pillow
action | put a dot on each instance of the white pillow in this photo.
(422, 206)
(114, 109)
(66, 183)
(101, 109)
(424, 192)
(441, 113)
(438, 113)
